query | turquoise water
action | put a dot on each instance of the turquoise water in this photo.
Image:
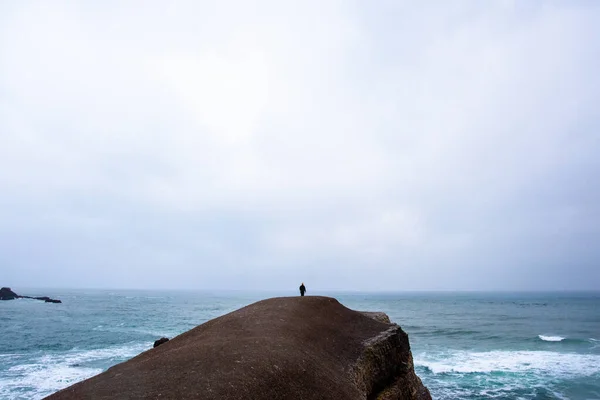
(465, 346)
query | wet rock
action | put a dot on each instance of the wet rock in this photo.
(160, 341)
(7, 294)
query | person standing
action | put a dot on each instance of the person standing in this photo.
(302, 289)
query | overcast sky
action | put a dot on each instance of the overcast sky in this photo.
(352, 145)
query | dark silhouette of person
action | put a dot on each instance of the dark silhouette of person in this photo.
(302, 289)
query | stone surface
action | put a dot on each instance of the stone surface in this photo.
(378, 316)
(282, 348)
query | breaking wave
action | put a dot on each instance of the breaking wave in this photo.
(49, 373)
(547, 362)
(551, 338)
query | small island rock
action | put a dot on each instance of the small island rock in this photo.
(7, 294)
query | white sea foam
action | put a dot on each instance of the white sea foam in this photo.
(121, 328)
(36, 381)
(542, 362)
(51, 372)
(13, 355)
(551, 338)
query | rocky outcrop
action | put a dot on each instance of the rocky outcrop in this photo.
(385, 369)
(378, 316)
(282, 348)
(160, 341)
(7, 294)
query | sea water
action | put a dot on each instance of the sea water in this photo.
(465, 345)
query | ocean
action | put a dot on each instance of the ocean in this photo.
(465, 345)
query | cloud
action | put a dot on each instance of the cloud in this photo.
(389, 146)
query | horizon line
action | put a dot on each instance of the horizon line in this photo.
(318, 290)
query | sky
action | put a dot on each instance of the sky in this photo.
(350, 145)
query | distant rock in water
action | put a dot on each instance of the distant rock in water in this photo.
(7, 294)
(282, 348)
(160, 341)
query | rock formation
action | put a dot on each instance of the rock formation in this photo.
(160, 341)
(282, 348)
(7, 294)
(378, 316)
